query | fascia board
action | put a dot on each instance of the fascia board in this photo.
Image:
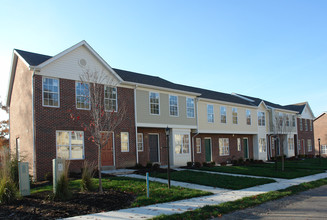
(226, 103)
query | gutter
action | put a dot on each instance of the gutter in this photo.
(197, 130)
(135, 117)
(33, 128)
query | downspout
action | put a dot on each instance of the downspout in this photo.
(197, 131)
(33, 128)
(135, 117)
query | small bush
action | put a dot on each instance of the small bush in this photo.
(156, 166)
(49, 177)
(138, 166)
(8, 190)
(189, 164)
(212, 163)
(205, 164)
(62, 192)
(148, 165)
(223, 163)
(197, 164)
(88, 172)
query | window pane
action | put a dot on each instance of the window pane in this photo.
(62, 138)
(63, 152)
(77, 152)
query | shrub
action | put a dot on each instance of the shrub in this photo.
(148, 165)
(189, 164)
(223, 163)
(62, 191)
(48, 176)
(197, 164)
(205, 164)
(212, 163)
(155, 166)
(240, 161)
(88, 172)
(234, 162)
(138, 166)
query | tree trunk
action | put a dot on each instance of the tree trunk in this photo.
(283, 162)
(99, 168)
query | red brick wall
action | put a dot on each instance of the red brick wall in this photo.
(320, 128)
(48, 120)
(144, 156)
(234, 154)
(305, 135)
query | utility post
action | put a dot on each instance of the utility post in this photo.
(168, 161)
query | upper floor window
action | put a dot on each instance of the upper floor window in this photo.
(248, 117)
(280, 117)
(287, 120)
(154, 103)
(310, 125)
(234, 113)
(261, 119)
(301, 124)
(223, 146)
(210, 113)
(190, 108)
(140, 141)
(173, 105)
(50, 92)
(309, 145)
(124, 141)
(262, 145)
(82, 95)
(70, 144)
(223, 114)
(306, 124)
(110, 98)
(198, 145)
(293, 120)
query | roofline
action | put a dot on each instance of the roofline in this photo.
(242, 97)
(227, 103)
(281, 109)
(160, 88)
(82, 43)
(319, 116)
(14, 59)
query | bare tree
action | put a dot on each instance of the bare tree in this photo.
(282, 128)
(104, 120)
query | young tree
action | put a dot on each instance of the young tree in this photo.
(4, 129)
(104, 118)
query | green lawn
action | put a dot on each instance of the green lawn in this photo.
(309, 163)
(263, 170)
(214, 180)
(159, 192)
(208, 212)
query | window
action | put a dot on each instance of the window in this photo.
(190, 107)
(290, 144)
(310, 125)
(173, 105)
(18, 149)
(239, 148)
(110, 98)
(306, 124)
(287, 120)
(82, 96)
(248, 117)
(198, 145)
(309, 145)
(280, 117)
(262, 145)
(70, 145)
(272, 143)
(234, 113)
(223, 146)
(124, 141)
(222, 114)
(50, 92)
(293, 120)
(301, 125)
(323, 149)
(261, 119)
(182, 144)
(139, 141)
(210, 113)
(154, 103)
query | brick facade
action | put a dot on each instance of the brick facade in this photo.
(320, 127)
(48, 120)
(305, 135)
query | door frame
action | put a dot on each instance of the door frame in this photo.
(208, 138)
(113, 147)
(159, 161)
(247, 146)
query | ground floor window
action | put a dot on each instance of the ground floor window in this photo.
(262, 145)
(198, 145)
(309, 145)
(238, 144)
(70, 144)
(182, 143)
(140, 142)
(223, 146)
(124, 141)
(290, 144)
(323, 149)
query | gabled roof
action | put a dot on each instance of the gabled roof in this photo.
(297, 107)
(32, 59)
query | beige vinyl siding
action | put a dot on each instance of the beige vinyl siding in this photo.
(143, 111)
(68, 67)
(228, 127)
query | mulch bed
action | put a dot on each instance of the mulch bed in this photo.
(40, 206)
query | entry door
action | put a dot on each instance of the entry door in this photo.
(246, 148)
(153, 145)
(207, 144)
(107, 153)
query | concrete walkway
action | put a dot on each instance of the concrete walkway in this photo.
(169, 208)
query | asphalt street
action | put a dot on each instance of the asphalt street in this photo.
(311, 204)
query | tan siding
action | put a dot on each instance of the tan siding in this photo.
(21, 125)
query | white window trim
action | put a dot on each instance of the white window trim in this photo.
(127, 142)
(176, 106)
(239, 145)
(220, 153)
(104, 98)
(246, 117)
(261, 149)
(225, 114)
(76, 96)
(182, 144)
(233, 116)
(196, 145)
(150, 102)
(213, 114)
(323, 149)
(70, 145)
(58, 93)
(140, 142)
(193, 107)
(262, 120)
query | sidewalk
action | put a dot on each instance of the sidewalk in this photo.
(169, 208)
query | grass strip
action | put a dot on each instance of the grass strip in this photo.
(214, 180)
(264, 171)
(218, 210)
(159, 192)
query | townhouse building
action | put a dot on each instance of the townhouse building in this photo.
(203, 125)
(320, 128)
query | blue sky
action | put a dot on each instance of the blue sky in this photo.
(275, 50)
